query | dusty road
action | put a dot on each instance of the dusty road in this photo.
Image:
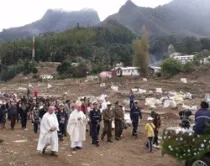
(129, 151)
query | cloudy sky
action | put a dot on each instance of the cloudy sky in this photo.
(19, 12)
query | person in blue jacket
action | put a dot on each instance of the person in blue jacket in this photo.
(135, 114)
(202, 119)
(132, 98)
(95, 119)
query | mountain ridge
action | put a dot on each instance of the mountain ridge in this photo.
(53, 20)
(179, 17)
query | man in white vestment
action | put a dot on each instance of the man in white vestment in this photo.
(49, 132)
(77, 128)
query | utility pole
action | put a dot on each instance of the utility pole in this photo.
(33, 49)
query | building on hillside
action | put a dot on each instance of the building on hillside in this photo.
(184, 58)
(154, 70)
(127, 71)
(47, 77)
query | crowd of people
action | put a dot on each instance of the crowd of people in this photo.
(55, 120)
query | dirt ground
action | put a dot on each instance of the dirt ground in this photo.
(126, 152)
(129, 151)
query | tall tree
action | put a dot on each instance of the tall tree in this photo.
(141, 52)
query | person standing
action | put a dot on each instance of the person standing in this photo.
(67, 107)
(77, 128)
(48, 132)
(95, 119)
(62, 120)
(3, 113)
(12, 111)
(35, 118)
(89, 108)
(157, 123)
(43, 110)
(150, 133)
(119, 116)
(108, 117)
(23, 110)
(135, 114)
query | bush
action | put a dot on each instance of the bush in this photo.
(188, 67)
(64, 68)
(171, 67)
(35, 70)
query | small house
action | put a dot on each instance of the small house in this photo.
(127, 71)
(155, 70)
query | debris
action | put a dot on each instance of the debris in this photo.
(115, 88)
(22, 88)
(20, 141)
(159, 90)
(179, 99)
(49, 86)
(85, 164)
(183, 80)
(30, 86)
(102, 85)
(188, 96)
(144, 79)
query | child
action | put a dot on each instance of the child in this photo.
(150, 133)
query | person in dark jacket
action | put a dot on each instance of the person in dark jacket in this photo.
(42, 111)
(157, 124)
(132, 98)
(3, 113)
(62, 116)
(35, 117)
(12, 111)
(202, 119)
(95, 119)
(135, 114)
(24, 109)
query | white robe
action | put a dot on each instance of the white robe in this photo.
(77, 128)
(47, 138)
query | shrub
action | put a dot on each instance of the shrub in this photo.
(64, 68)
(171, 67)
(35, 70)
(188, 67)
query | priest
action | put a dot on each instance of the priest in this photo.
(49, 132)
(77, 128)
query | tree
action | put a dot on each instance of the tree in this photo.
(171, 67)
(141, 52)
(64, 68)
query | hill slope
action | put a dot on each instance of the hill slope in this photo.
(96, 47)
(52, 21)
(180, 17)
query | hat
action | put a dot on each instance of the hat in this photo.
(61, 104)
(149, 118)
(108, 103)
(95, 102)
